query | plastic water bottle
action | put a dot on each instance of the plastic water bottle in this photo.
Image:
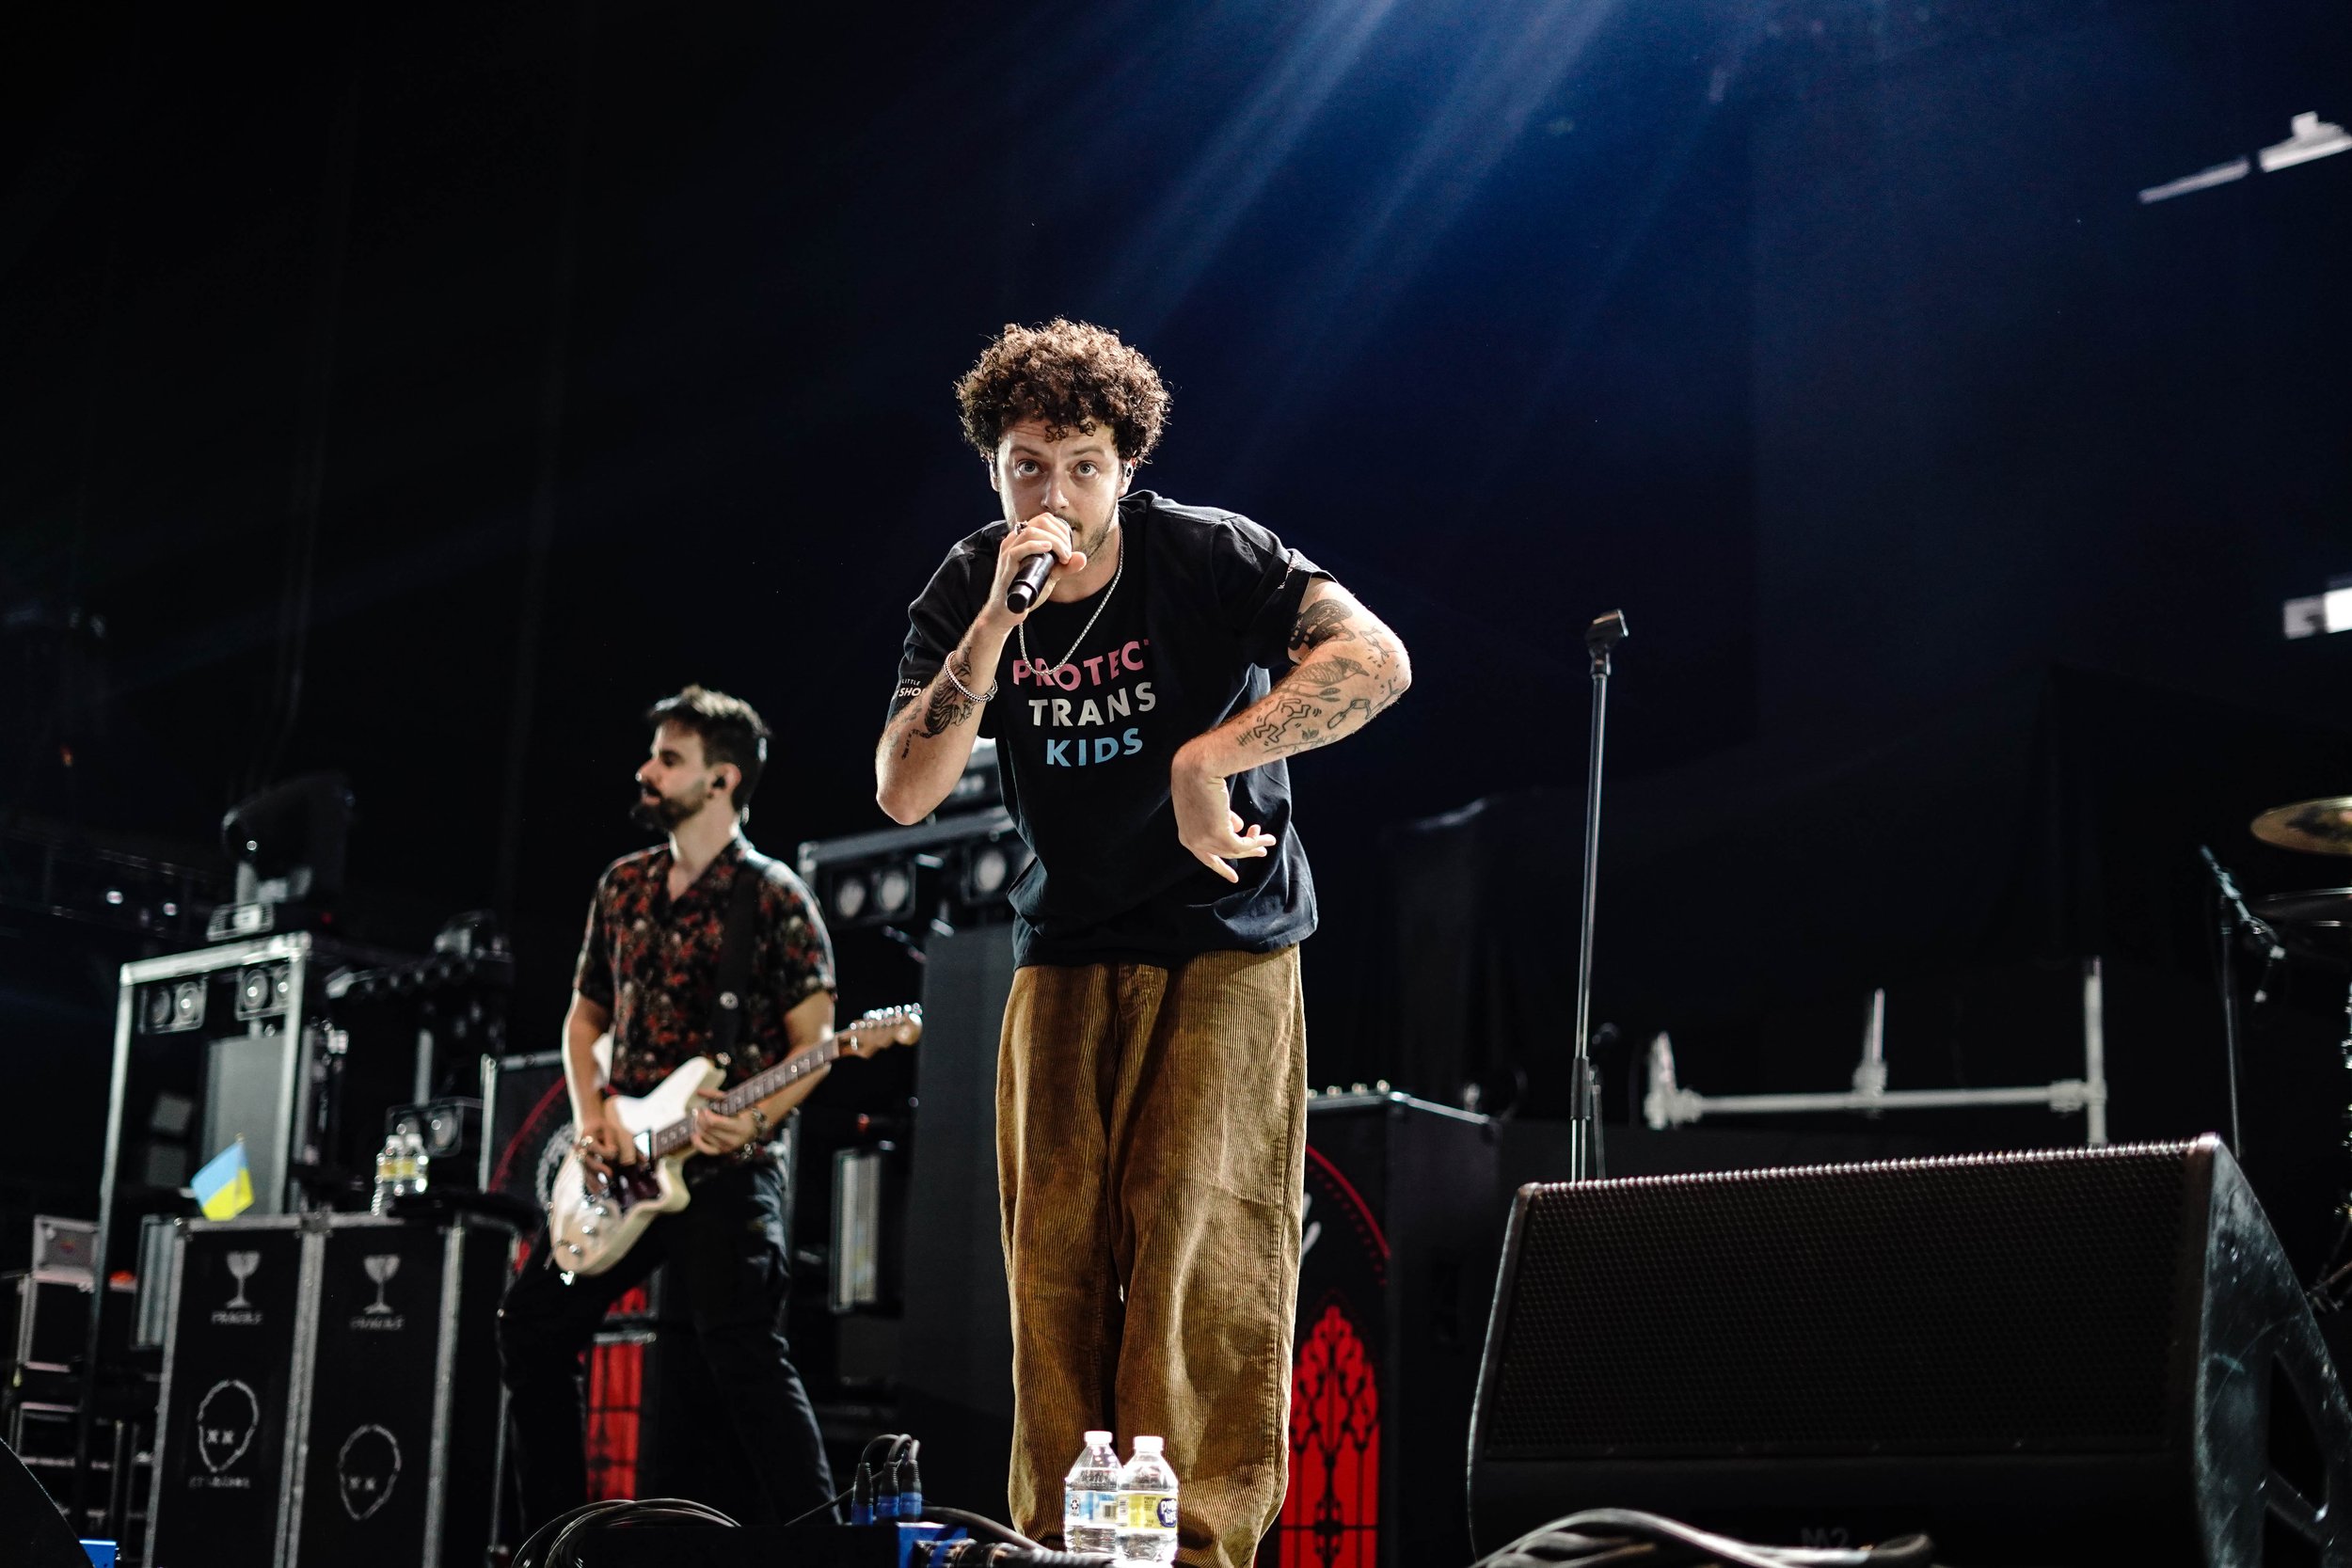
(387, 1174)
(1147, 1506)
(1089, 1498)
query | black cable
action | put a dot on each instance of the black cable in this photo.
(906, 1483)
(1582, 1552)
(979, 1523)
(676, 1510)
(985, 1554)
(827, 1506)
(1611, 1534)
(546, 1545)
(898, 1441)
(533, 1554)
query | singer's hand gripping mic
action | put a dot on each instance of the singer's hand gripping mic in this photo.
(1029, 582)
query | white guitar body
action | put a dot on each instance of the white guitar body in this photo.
(594, 1225)
(594, 1220)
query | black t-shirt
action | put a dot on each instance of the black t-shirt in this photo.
(1196, 631)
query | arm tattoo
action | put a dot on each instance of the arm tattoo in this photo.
(1295, 724)
(1323, 621)
(944, 709)
(1325, 675)
(1323, 699)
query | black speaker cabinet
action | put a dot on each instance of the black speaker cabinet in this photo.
(956, 1356)
(2089, 1356)
(1404, 1216)
(330, 1393)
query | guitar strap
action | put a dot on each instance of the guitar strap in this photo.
(735, 954)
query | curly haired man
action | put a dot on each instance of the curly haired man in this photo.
(1151, 1099)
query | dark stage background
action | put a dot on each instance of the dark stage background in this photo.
(420, 393)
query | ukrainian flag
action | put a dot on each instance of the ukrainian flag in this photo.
(225, 1185)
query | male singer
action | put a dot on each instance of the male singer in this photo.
(1151, 1090)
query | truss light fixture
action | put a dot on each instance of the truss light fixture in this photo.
(2309, 138)
(2320, 614)
(2312, 137)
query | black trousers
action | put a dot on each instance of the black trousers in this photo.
(730, 1242)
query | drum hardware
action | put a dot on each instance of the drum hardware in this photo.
(2318, 926)
(1669, 1104)
(2315, 925)
(2332, 1287)
(2237, 921)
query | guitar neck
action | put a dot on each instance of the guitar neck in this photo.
(751, 1090)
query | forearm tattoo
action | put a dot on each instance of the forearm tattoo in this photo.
(1358, 671)
(942, 706)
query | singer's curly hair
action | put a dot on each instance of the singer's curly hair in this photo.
(1070, 375)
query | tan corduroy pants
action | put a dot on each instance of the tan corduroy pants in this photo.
(1150, 1136)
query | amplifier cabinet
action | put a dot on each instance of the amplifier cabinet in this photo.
(526, 1124)
(330, 1393)
(1403, 1220)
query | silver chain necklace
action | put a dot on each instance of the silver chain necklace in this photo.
(1104, 604)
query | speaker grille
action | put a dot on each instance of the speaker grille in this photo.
(1993, 1305)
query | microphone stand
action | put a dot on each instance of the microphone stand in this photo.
(1584, 1152)
(2236, 920)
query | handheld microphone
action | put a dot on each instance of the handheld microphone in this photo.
(1029, 582)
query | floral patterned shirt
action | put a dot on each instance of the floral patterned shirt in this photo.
(654, 962)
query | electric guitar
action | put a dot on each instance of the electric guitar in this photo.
(592, 1221)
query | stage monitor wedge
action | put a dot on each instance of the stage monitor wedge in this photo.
(33, 1534)
(2094, 1355)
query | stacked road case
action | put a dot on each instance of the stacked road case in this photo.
(44, 1320)
(330, 1393)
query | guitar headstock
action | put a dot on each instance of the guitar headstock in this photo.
(884, 1027)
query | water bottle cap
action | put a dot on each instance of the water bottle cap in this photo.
(1148, 1445)
(1096, 1439)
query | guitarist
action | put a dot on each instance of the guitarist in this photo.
(648, 974)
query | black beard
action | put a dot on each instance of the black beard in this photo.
(659, 814)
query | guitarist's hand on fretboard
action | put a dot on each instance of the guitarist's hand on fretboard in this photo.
(721, 1134)
(716, 1133)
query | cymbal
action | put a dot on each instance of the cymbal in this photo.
(2317, 826)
